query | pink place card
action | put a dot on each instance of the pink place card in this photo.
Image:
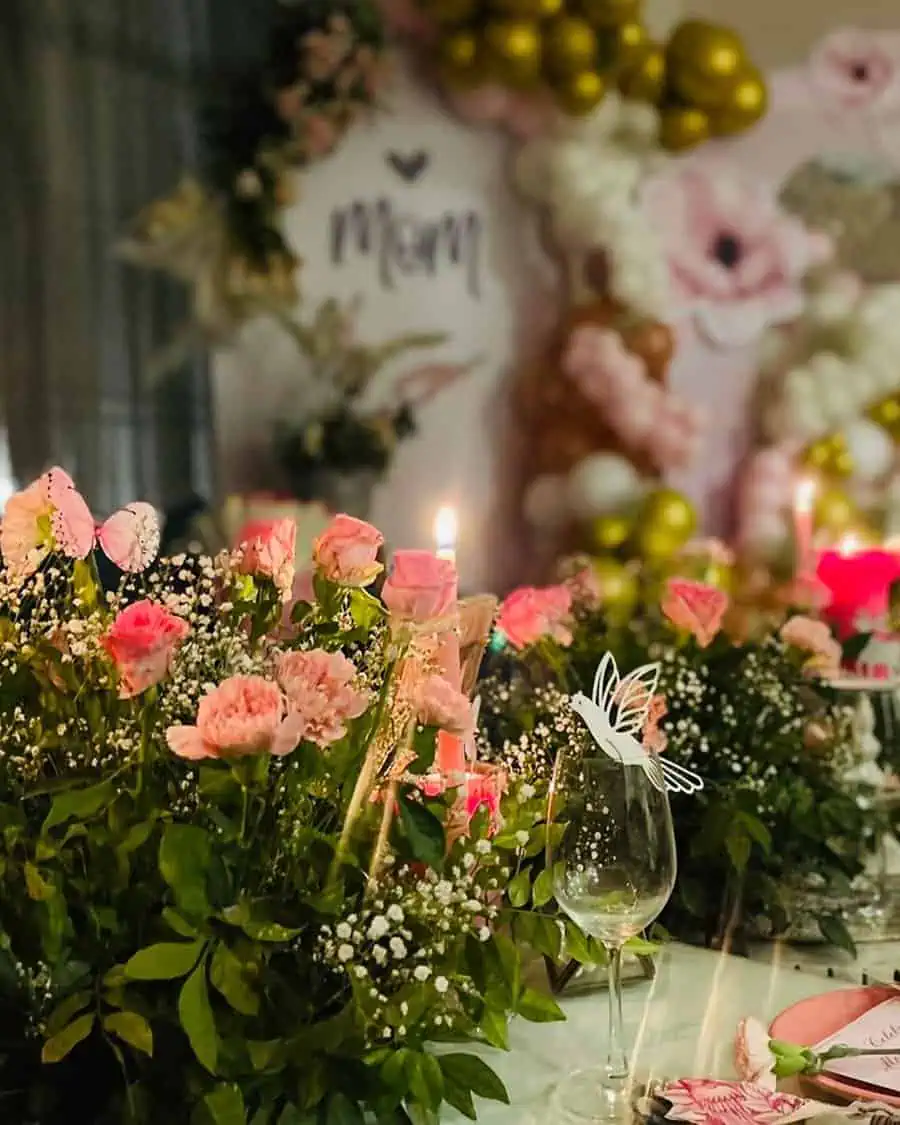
(879, 1027)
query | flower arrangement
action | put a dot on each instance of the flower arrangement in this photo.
(755, 719)
(250, 868)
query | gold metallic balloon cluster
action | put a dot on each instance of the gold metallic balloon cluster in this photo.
(887, 415)
(701, 80)
(829, 456)
(655, 532)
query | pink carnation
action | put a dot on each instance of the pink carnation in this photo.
(439, 704)
(141, 642)
(654, 739)
(320, 691)
(813, 637)
(346, 552)
(266, 550)
(696, 607)
(753, 1060)
(530, 613)
(244, 715)
(421, 587)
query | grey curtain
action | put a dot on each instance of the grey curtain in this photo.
(99, 113)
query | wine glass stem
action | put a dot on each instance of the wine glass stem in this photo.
(617, 1060)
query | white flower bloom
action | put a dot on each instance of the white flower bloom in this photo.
(521, 837)
(397, 948)
(422, 972)
(483, 847)
(441, 984)
(378, 928)
(380, 954)
(526, 792)
(395, 913)
(343, 931)
(473, 904)
(443, 892)
(361, 971)
(345, 953)
(484, 934)
(468, 861)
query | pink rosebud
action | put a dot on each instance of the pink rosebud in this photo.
(266, 549)
(320, 691)
(421, 587)
(813, 637)
(439, 704)
(347, 550)
(243, 716)
(531, 613)
(696, 607)
(141, 642)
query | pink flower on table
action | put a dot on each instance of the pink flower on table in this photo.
(321, 692)
(266, 549)
(852, 70)
(141, 643)
(420, 587)
(244, 715)
(531, 613)
(710, 1101)
(736, 258)
(696, 607)
(813, 637)
(753, 1060)
(439, 704)
(346, 553)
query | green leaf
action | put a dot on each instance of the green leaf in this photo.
(426, 1081)
(227, 975)
(424, 832)
(460, 1098)
(168, 960)
(196, 1017)
(184, 860)
(37, 886)
(137, 836)
(226, 1104)
(79, 804)
(494, 1027)
(577, 944)
(180, 925)
(835, 932)
(58, 1046)
(365, 610)
(543, 887)
(538, 1008)
(269, 931)
(64, 1012)
(473, 1074)
(132, 1029)
(519, 889)
(755, 828)
(264, 1053)
(341, 1110)
(738, 845)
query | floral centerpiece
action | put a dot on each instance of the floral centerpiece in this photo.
(755, 719)
(249, 869)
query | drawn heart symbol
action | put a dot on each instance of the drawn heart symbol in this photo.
(409, 167)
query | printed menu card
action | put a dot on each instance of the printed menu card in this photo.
(879, 1027)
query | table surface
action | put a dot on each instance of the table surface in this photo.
(680, 1024)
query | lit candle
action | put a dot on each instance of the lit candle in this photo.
(446, 531)
(804, 501)
(849, 545)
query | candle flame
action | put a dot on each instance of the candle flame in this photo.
(446, 530)
(849, 545)
(805, 494)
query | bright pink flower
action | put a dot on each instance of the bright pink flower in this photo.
(439, 704)
(736, 258)
(320, 691)
(531, 613)
(813, 637)
(753, 1060)
(859, 585)
(244, 715)
(853, 71)
(266, 549)
(450, 756)
(654, 739)
(483, 788)
(696, 607)
(710, 1101)
(346, 552)
(421, 587)
(142, 642)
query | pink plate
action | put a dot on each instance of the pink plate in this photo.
(810, 1021)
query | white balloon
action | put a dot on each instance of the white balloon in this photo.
(602, 483)
(871, 449)
(544, 504)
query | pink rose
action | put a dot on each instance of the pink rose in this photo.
(652, 737)
(421, 587)
(854, 71)
(347, 550)
(813, 637)
(244, 715)
(736, 258)
(439, 704)
(320, 691)
(696, 607)
(266, 549)
(531, 613)
(142, 642)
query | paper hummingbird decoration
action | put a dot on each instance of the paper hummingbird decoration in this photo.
(616, 715)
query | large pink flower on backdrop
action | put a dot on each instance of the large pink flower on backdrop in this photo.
(852, 69)
(736, 259)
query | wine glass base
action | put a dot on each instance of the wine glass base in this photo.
(592, 1095)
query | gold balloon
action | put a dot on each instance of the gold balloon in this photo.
(682, 127)
(458, 51)
(706, 74)
(581, 93)
(842, 464)
(718, 574)
(618, 586)
(625, 42)
(570, 46)
(608, 533)
(656, 545)
(687, 36)
(834, 510)
(608, 13)
(514, 49)
(886, 413)
(746, 103)
(644, 76)
(530, 9)
(451, 11)
(666, 522)
(818, 455)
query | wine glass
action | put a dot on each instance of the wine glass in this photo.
(611, 851)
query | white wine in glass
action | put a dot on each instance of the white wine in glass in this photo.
(612, 856)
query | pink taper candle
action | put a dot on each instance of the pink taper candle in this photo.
(804, 499)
